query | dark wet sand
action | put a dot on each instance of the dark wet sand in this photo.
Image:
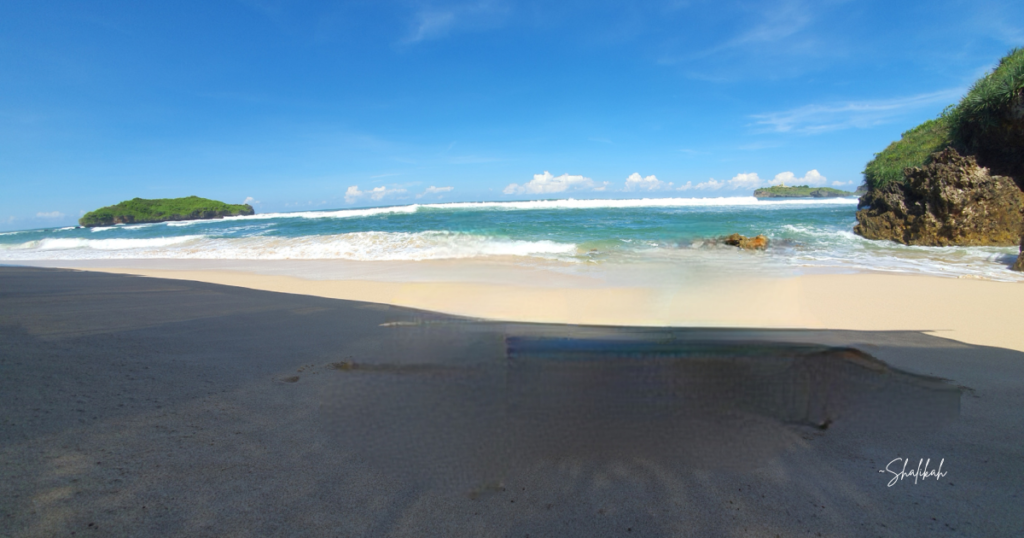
(145, 407)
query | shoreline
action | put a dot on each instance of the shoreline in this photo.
(976, 312)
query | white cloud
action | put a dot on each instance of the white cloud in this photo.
(546, 183)
(353, 193)
(841, 183)
(434, 190)
(782, 178)
(431, 25)
(50, 215)
(780, 22)
(250, 200)
(711, 184)
(745, 181)
(811, 178)
(751, 181)
(649, 183)
(435, 23)
(767, 31)
(815, 119)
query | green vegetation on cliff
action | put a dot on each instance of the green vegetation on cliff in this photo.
(139, 210)
(987, 123)
(914, 148)
(802, 191)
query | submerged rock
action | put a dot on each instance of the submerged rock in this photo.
(952, 201)
(760, 242)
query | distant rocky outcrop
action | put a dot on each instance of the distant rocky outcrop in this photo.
(800, 191)
(951, 201)
(140, 210)
(759, 242)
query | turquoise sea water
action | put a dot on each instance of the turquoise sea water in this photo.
(804, 233)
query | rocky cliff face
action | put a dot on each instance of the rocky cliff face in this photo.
(195, 215)
(952, 201)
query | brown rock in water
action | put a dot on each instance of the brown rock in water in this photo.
(760, 242)
(952, 201)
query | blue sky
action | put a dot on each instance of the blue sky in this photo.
(316, 105)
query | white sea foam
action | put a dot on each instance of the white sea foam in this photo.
(831, 246)
(991, 266)
(844, 249)
(111, 244)
(825, 235)
(123, 226)
(338, 214)
(361, 246)
(569, 203)
(641, 202)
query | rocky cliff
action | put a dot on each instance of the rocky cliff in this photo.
(758, 242)
(951, 201)
(194, 215)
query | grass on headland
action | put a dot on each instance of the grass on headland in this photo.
(914, 148)
(987, 123)
(139, 210)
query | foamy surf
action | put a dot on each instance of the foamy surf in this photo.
(731, 201)
(336, 214)
(570, 203)
(675, 233)
(110, 244)
(360, 246)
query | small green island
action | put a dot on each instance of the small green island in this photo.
(141, 210)
(800, 191)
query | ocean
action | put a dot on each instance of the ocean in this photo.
(806, 235)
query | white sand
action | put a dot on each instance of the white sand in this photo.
(971, 311)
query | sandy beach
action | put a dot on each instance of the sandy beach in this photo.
(972, 311)
(213, 403)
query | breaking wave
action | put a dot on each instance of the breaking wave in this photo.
(360, 246)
